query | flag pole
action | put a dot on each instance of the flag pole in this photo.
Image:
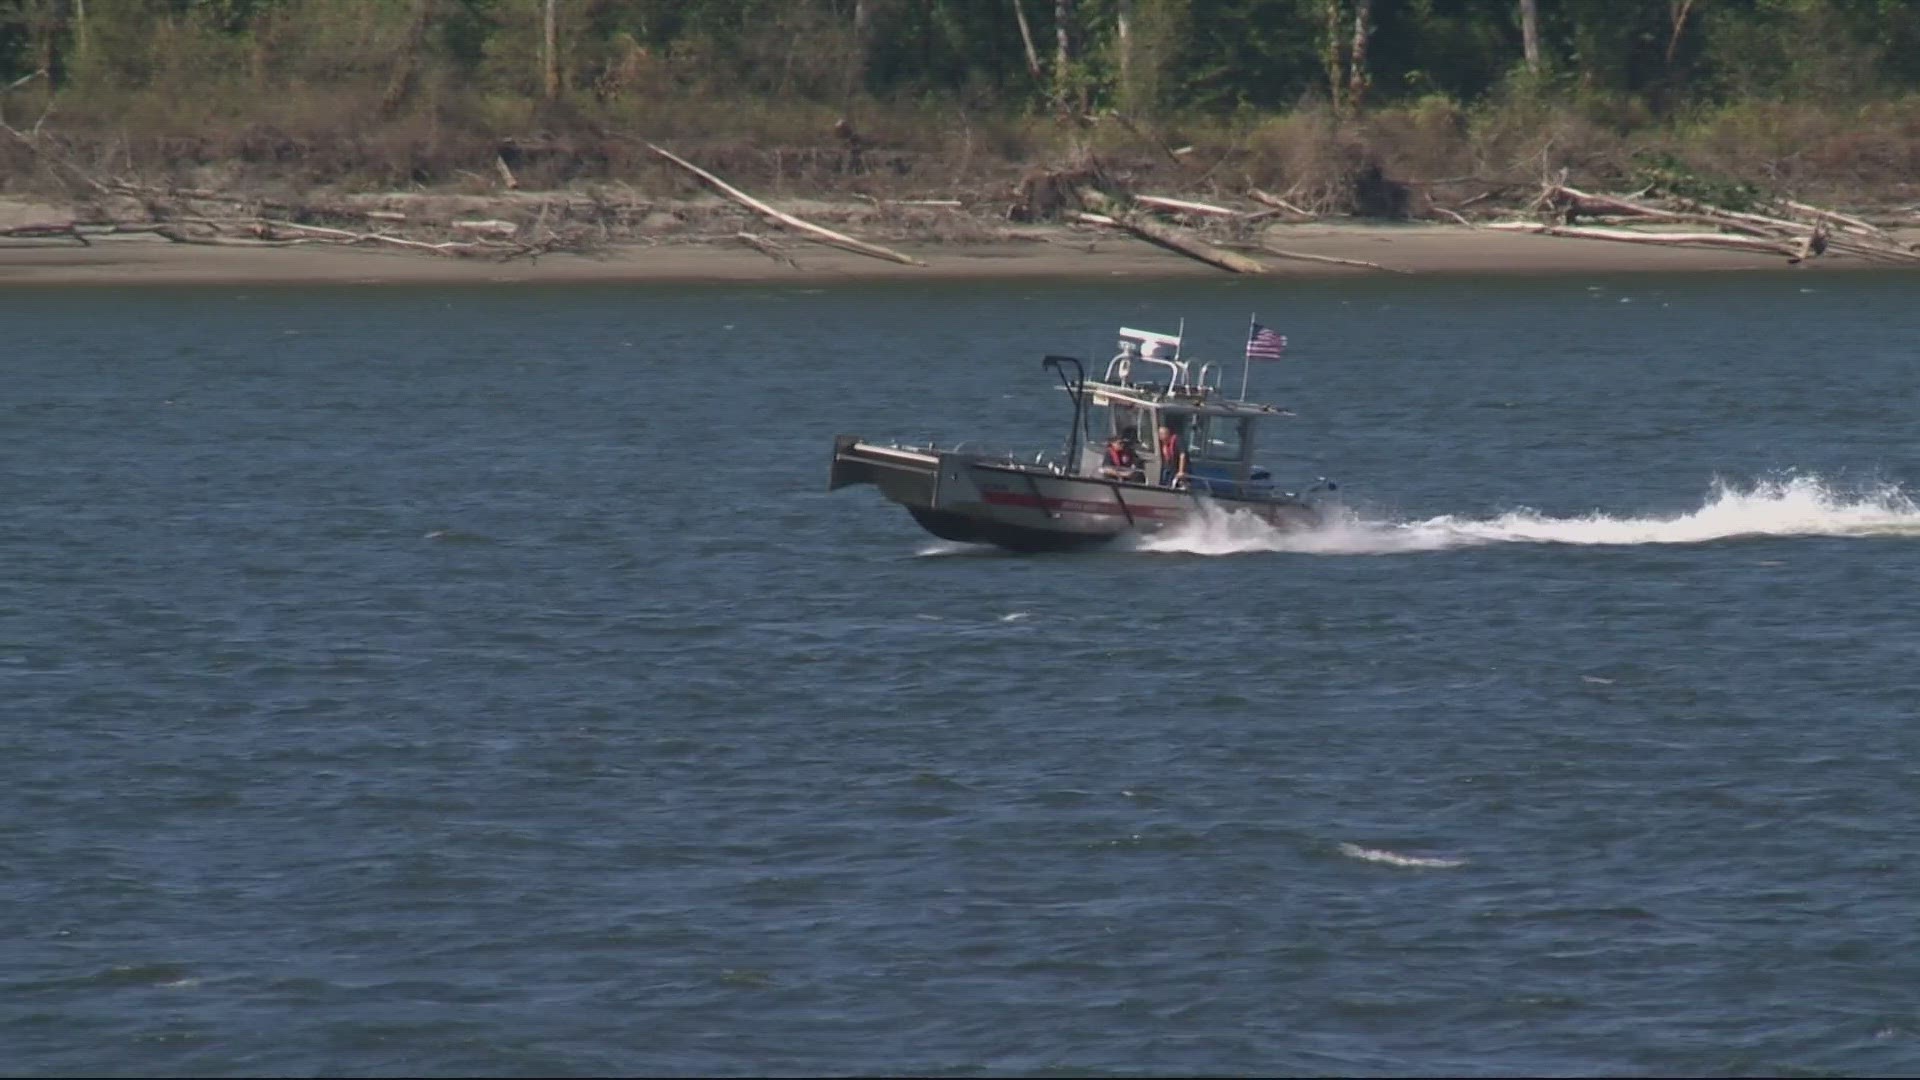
(1246, 356)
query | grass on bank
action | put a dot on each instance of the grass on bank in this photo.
(350, 137)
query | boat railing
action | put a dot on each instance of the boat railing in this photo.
(1216, 370)
(1120, 368)
(990, 453)
(1180, 379)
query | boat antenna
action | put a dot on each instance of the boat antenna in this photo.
(1246, 357)
(1178, 342)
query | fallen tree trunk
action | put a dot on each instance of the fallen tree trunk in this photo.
(1670, 239)
(1853, 224)
(287, 232)
(1163, 237)
(488, 227)
(767, 247)
(828, 236)
(1277, 203)
(68, 229)
(1580, 202)
(1883, 252)
(1185, 207)
(1106, 211)
(1304, 257)
(1851, 242)
(1798, 240)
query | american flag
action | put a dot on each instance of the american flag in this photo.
(1264, 344)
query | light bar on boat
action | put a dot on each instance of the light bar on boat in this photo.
(1156, 346)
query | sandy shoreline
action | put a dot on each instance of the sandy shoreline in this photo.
(1066, 257)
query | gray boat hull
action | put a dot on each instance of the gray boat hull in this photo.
(1029, 508)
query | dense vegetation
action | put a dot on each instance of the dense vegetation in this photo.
(384, 91)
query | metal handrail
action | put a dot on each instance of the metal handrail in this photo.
(1217, 373)
(1077, 389)
(1178, 367)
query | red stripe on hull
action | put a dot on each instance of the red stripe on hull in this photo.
(1078, 506)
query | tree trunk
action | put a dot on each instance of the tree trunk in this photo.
(1359, 79)
(1336, 57)
(79, 30)
(1530, 34)
(1063, 33)
(1063, 78)
(406, 68)
(1026, 38)
(550, 58)
(50, 25)
(1681, 9)
(862, 47)
(260, 51)
(1123, 38)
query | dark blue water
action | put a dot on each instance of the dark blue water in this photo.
(482, 682)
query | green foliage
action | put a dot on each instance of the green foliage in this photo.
(1754, 85)
(1185, 56)
(1663, 174)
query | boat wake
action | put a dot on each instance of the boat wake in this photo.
(1394, 858)
(1791, 506)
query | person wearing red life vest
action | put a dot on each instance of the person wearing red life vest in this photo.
(1121, 463)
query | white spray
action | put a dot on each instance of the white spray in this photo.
(1791, 506)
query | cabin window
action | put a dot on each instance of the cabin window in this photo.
(1112, 419)
(1099, 423)
(1218, 438)
(1182, 426)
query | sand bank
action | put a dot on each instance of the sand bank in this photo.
(1065, 255)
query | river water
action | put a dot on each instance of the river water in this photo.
(483, 682)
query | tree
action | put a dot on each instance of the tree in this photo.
(1530, 34)
(550, 52)
(1359, 80)
(1067, 86)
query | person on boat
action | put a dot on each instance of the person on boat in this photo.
(1121, 463)
(1173, 457)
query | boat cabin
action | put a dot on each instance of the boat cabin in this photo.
(1147, 385)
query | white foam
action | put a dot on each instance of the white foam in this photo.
(943, 548)
(1789, 506)
(1391, 858)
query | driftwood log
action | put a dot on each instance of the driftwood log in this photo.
(1156, 202)
(214, 218)
(65, 229)
(1277, 203)
(1795, 230)
(1111, 213)
(768, 248)
(827, 236)
(1331, 259)
(1631, 236)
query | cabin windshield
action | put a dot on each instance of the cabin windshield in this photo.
(1115, 419)
(1218, 438)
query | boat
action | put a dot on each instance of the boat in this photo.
(1078, 499)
